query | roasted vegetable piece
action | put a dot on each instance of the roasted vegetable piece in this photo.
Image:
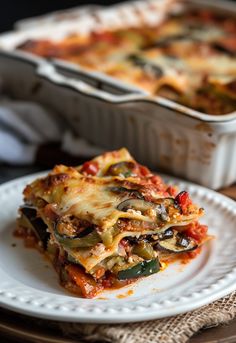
(136, 204)
(89, 287)
(182, 241)
(166, 234)
(183, 200)
(121, 169)
(163, 42)
(72, 259)
(168, 202)
(144, 250)
(30, 220)
(196, 231)
(144, 268)
(147, 66)
(177, 244)
(131, 192)
(87, 241)
(143, 206)
(108, 236)
(90, 168)
(85, 232)
(162, 213)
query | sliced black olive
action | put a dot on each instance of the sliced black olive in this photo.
(144, 268)
(148, 67)
(132, 192)
(176, 245)
(123, 168)
(30, 220)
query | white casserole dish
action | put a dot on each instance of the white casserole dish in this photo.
(130, 13)
(159, 132)
(75, 13)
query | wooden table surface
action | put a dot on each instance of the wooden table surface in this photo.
(220, 334)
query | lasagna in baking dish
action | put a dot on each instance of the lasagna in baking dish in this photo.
(109, 222)
(189, 58)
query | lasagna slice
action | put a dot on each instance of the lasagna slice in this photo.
(109, 222)
(175, 59)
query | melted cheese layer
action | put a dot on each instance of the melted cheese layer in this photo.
(90, 198)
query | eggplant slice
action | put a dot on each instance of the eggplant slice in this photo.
(167, 234)
(143, 205)
(179, 243)
(134, 193)
(30, 220)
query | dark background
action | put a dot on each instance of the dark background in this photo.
(13, 10)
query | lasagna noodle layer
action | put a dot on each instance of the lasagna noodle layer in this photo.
(91, 198)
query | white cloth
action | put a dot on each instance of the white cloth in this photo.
(26, 125)
(78, 146)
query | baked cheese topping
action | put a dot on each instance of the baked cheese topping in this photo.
(109, 220)
(174, 59)
(107, 202)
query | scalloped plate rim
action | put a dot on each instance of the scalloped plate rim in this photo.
(60, 314)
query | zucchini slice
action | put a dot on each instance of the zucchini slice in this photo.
(144, 250)
(87, 241)
(144, 268)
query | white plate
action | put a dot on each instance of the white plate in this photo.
(28, 283)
